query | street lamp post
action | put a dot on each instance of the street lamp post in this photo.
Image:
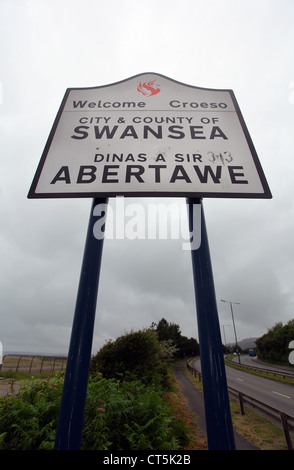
(236, 303)
(225, 336)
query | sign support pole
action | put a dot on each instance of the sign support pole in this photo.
(70, 425)
(217, 408)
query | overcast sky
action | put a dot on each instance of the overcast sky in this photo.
(47, 46)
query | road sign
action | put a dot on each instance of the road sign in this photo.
(149, 135)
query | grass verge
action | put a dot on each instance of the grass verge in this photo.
(181, 411)
(268, 375)
(253, 427)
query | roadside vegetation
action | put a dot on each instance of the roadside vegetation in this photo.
(259, 371)
(253, 427)
(132, 399)
(273, 346)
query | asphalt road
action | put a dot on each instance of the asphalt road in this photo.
(254, 362)
(196, 404)
(276, 394)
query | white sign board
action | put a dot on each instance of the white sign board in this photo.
(149, 136)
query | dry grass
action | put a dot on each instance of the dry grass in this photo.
(254, 428)
(257, 430)
(181, 411)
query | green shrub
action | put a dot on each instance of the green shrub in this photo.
(132, 356)
(133, 416)
(118, 416)
(29, 419)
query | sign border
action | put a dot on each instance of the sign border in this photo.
(265, 195)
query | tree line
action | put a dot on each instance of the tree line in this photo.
(144, 354)
(273, 346)
(151, 348)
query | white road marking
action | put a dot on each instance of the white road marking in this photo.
(282, 395)
(241, 380)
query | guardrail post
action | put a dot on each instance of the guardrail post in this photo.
(241, 401)
(286, 430)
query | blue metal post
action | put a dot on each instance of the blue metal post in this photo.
(70, 424)
(219, 427)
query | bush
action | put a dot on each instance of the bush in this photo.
(29, 420)
(132, 356)
(118, 416)
(132, 416)
(124, 408)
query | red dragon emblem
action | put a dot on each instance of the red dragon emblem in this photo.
(148, 88)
